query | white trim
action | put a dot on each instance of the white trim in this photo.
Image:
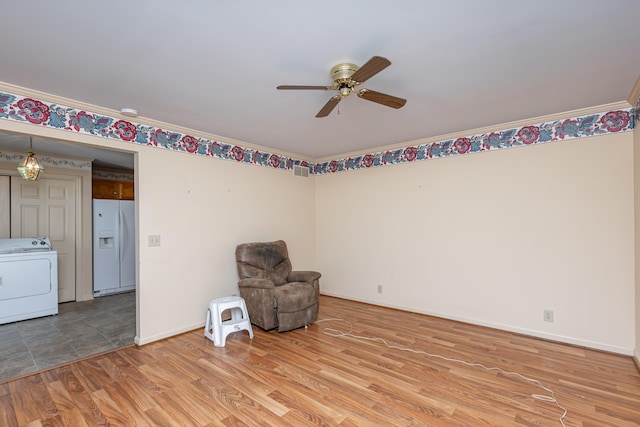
(635, 92)
(487, 129)
(529, 332)
(79, 105)
(157, 337)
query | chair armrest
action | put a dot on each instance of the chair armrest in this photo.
(304, 276)
(255, 283)
(259, 295)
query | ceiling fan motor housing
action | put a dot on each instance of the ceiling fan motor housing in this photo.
(341, 77)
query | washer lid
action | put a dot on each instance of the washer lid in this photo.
(26, 244)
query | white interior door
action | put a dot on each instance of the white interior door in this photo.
(5, 209)
(47, 208)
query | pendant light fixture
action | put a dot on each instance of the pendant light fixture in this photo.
(30, 168)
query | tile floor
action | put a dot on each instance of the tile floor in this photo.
(80, 329)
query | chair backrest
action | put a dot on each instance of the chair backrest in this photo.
(264, 260)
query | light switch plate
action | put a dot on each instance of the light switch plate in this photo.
(154, 240)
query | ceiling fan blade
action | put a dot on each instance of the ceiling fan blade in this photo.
(382, 98)
(370, 69)
(329, 106)
(294, 87)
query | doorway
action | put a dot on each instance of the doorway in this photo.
(51, 207)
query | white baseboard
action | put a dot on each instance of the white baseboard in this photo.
(552, 337)
(146, 340)
(538, 334)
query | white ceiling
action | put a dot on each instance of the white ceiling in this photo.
(213, 65)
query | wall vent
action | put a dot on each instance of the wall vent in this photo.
(300, 171)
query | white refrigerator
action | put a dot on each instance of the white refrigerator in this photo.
(114, 249)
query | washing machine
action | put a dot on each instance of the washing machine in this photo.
(28, 279)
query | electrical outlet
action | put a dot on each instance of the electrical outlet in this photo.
(379, 289)
(548, 315)
(154, 240)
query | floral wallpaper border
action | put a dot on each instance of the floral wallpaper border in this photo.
(47, 161)
(115, 176)
(37, 112)
(23, 109)
(558, 130)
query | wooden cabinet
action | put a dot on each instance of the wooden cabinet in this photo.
(112, 189)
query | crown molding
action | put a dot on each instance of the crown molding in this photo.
(634, 95)
(79, 105)
(597, 120)
(487, 129)
(584, 123)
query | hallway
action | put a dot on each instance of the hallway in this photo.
(80, 329)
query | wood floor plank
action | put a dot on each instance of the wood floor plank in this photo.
(81, 398)
(110, 409)
(258, 391)
(179, 413)
(90, 374)
(72, 418)
(7, 412)
(60, 396)
(127, 406)
(310, 377)
(202, 401)
(4, 389)
(26, 406)
(159, 416)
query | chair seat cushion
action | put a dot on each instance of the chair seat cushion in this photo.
(295, 296)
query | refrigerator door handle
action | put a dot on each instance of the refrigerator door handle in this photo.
(121, 231)
(118, 244)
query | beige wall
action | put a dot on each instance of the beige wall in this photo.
(492, 238)
(202, 208)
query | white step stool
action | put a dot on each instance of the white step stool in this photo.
(216, 329)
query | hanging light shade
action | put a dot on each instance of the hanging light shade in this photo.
(30, 168)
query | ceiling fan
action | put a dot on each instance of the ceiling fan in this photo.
(346, 78)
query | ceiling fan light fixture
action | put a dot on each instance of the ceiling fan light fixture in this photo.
(345, 91)
(29, 168)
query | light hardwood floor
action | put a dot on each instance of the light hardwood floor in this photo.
(308, 377)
